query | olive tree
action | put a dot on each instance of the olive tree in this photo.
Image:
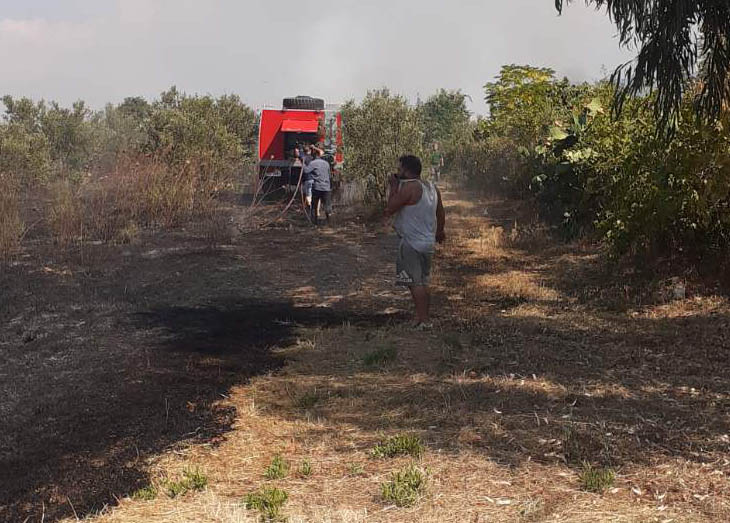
(378, 131)
(445, 117)
(675, 39)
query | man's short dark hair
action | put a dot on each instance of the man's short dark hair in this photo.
(411, 164)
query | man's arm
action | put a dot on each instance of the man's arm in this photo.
(440, 219)
(396, 198)
(402, 194)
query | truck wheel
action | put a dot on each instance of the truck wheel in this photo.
(304, 102)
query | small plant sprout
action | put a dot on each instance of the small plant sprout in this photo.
(278, 469)
(305, 468)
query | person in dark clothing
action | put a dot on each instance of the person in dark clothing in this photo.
(319, 172)
(304, 158)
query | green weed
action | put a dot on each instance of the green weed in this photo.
(381, 356)
(405, 487)
(193, 479)
(305, 468)
(269, 502)
(147, 493)
(597, 480)
(307, 400)
(356, 469)
(176, 488)
(278, 469)
(401, 445)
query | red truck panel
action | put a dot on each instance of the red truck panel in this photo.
(339, 156)
(300, 126)
(271, 134)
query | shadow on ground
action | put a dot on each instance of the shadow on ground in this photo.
(90, 445)
(524, 378)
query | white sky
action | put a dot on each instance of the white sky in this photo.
(263, 50)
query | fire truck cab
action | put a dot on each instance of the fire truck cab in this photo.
(302, 120)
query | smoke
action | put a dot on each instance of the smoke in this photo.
(105, 50)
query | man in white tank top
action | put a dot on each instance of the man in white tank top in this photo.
(419, 221)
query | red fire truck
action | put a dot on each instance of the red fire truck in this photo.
(302, 120)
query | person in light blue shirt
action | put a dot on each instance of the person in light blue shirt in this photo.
(319, 172)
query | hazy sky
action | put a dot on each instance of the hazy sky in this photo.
(263, 50)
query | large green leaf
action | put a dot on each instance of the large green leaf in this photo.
(557, 133)
(595, 107)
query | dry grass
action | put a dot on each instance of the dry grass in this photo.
(138, 193)
(472, 476)
(517, 285)
(65, 215)
(12, 227)
(509, 397)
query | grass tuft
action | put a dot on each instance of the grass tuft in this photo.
(381, 356)
(405, 487)
(278, 469)
(308, 400)
(593, 479)
(193, 479)
(532, 509)
(400, 445)
(269, 502)
(356, 469)
(196, 479)
(305, 468)
(147, 493)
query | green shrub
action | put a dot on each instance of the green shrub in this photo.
(220, 133)
(401, 445)
(495, 164)
(24, 154)
(405, 487)
(268, 501)
(40, 139)
(379, 130)
(591, 172)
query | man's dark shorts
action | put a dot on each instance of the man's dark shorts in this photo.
(322, 196)
(413, 268)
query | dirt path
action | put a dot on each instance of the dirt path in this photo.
(161, 358)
